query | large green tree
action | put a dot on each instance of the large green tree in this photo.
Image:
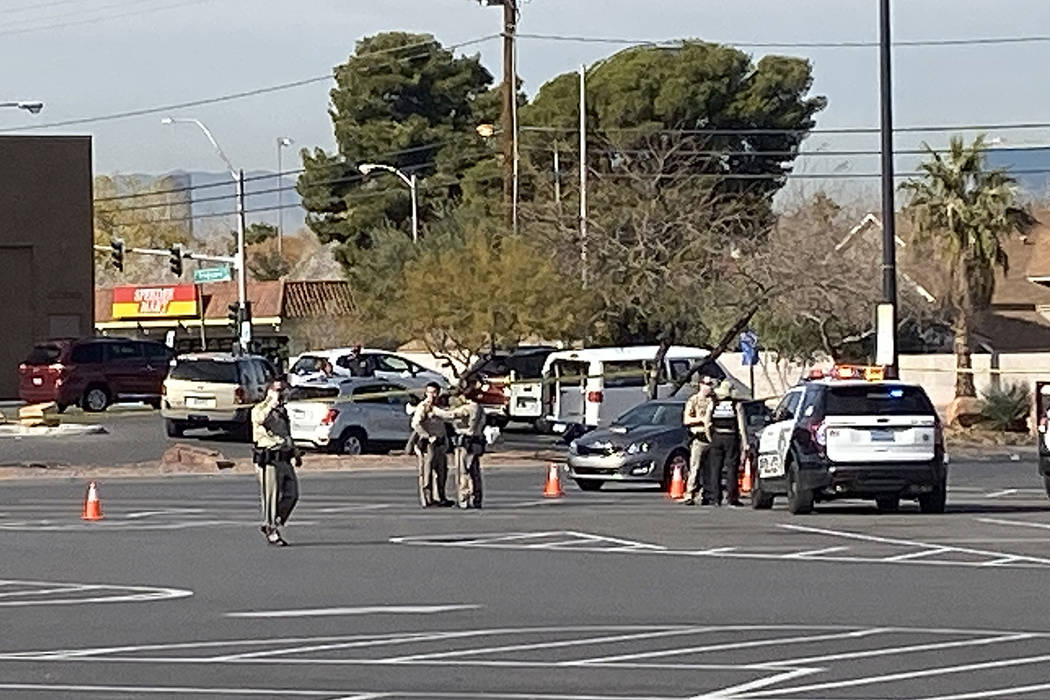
(964, 210)
(401, 100)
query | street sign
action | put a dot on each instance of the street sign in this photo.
(749, 348)
(220, 273)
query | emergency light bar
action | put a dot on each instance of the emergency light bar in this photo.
(869, 373)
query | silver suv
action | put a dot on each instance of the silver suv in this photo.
(352, 416)
(214, 391)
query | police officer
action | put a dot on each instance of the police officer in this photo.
(468, 420)
(430, 442)
(694, 418)
(273, 455)
(728, 435)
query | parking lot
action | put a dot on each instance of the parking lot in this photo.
(615, 594)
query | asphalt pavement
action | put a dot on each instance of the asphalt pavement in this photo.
(136, 434)
(600, 596)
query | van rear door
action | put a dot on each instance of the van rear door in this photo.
(568, 386)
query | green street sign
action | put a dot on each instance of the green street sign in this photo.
(212, 274)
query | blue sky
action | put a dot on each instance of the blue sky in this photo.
(146, 53)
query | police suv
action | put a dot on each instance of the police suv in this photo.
(845, 436)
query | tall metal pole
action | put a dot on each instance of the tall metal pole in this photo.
(280, 193)
(557, 176)
(242, 285)
(889, 228)
(583, 174)
(514, 130)
(412, 185)
(510, 22)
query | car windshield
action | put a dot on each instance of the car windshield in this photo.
(652, 414)
(44, 355)
(891, 400)
(205, 371)
(307, 365)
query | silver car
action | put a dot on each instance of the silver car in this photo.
(352, 416)
(645, 444)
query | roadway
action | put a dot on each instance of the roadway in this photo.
(136, 434)
(598, 596)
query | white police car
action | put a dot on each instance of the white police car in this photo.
(845, 436)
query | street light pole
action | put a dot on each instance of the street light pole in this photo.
(238, 179)
(281, 143)
(887, 336)
(33, 107)
(410, 180)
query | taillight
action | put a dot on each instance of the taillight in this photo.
(595, 396)
(819, 434)
(238, 395)
(330, 417)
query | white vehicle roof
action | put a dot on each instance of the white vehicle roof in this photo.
(333, 353)
(625, 354)
(860, 382)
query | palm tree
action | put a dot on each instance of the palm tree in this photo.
(966, 210)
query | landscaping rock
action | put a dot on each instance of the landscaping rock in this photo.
(963, 412)
(192, 458)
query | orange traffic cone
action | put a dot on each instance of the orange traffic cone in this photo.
(553, 487)
(746, 480)
(92, 504)
(677, 488)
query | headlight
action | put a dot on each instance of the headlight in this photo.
(573, 448)
(636, 447)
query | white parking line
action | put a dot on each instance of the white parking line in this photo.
(814, 552)
(1000, 494)
(179, 690)
(362, 610)
(893, 651)
(997, 693)
(919, 554)
(1014, 523)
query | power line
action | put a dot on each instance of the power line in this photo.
(39, 6)
(1017, 126)
(239, 95)
(103, 18)
(774, 154)
(673, 43)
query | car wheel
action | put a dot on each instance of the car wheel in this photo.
(936, 500)
(760, 500)
(174, 428)
(676, 460)
(589, 484)
(352, 443)
(888, 504)
(800, 500)
(96, 399)
(497, 421)
(541, 426)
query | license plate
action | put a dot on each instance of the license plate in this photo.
(194, 402)
(38, 381)
(770, 466)
(882, 436)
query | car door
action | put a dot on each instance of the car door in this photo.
(125, 368)
(775, 439)
(396, 423)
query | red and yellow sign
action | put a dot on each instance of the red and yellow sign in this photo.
(167, 301)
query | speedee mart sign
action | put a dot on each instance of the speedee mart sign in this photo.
(167, 301)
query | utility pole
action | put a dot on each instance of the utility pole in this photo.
(583, 174)
(887, 316)
(557, 177)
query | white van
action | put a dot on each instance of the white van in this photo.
(590, 388)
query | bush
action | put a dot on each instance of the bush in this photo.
(1006, 407)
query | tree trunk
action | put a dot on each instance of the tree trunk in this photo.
(964, 385)
(653, 381)
(727, 339)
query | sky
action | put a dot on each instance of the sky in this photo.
(86, 58)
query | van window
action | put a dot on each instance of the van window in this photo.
(205, 371)
(123, 351)
(44, 355)
(625, 374)
(86, 354)
(569, 371)
(156, 351)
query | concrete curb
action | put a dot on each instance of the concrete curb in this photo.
(16, 431)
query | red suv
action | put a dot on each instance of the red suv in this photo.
(94, 372)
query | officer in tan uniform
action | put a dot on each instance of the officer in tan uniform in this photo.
(273, 455)
(468, 421)
(429, 436)
(694, 418)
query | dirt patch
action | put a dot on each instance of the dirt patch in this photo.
(980, 437)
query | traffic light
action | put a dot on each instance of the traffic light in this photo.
(234, 314)
(247, 311)
(175, 260)
(117, 255)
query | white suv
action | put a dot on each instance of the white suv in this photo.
(832, 439)
(215, 391)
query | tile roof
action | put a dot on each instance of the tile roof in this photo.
(304, 299)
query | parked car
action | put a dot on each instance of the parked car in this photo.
(214, 391)
(94, 373)
(645, 444)
(355, 416)
(830, 439)
(512, 385)
(378, 364)
(589, 388)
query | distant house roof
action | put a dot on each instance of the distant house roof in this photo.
(270, 300)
